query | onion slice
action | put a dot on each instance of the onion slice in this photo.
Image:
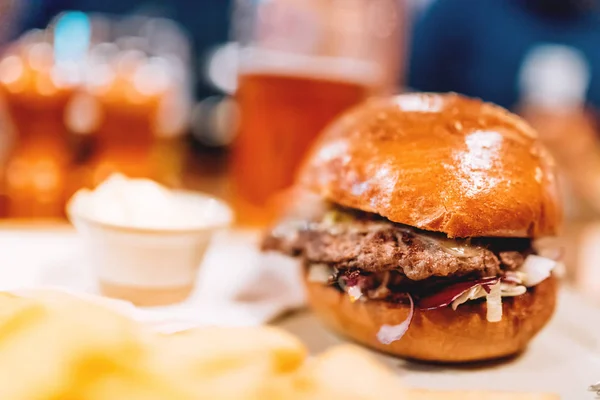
(474, 293)
(514, 277)
(494, 303)
(354, 292)
(391, 333)
(536, 269)
(511, 290)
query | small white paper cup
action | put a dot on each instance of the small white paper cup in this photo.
(152, 266)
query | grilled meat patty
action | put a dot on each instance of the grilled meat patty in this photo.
(374, 244)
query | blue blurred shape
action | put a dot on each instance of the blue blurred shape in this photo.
(72, 34)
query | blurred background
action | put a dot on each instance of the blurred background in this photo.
(224, 96)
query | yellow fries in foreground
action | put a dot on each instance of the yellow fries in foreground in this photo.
(59, 347)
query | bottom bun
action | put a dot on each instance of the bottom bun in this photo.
(440, 335)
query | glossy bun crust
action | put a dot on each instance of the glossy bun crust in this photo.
(441, 335)
(442, 163)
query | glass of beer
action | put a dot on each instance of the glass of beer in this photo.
(301, 64)
(36, 171)
(133, 102)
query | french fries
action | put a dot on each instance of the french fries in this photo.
(56, 346)
(47, 349)
(206, 361)
(217, 348)
(331, 376)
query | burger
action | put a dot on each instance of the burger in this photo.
(421, 236)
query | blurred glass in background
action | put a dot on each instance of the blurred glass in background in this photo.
(38, 156)
(301, 64)
(109, 87)
(89, 96)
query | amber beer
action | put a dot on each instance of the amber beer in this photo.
(301, 64)
(34, 179)
(281, 114)
(126, 117)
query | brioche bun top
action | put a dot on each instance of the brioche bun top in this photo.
(439, 162)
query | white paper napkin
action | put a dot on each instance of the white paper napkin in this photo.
(237, 285)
